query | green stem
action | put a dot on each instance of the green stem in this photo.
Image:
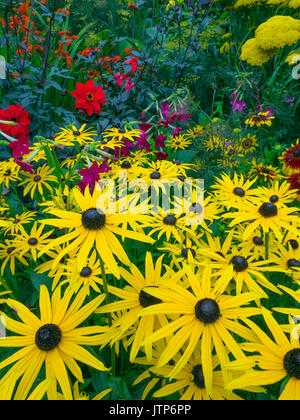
(267, 244)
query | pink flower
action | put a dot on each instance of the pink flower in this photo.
(20, 146)
(237, 105)
(166, 110)
(91, 175)
(177, 131)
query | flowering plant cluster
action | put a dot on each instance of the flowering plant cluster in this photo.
(149, 236)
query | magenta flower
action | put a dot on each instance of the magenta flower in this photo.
(237, 105)
(142, 142)
(166, 110)
(20, 147)
(91, 175)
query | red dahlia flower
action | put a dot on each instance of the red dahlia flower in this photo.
(89, 97)
(19, 116)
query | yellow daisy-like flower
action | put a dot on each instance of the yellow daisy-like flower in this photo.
(117, 135)
(15, 224)
(203, 315)
(53, 340)
(129, 166)
(190, 382)
(248, 144)
(264, 172)
(142, 157)
(231, 192)
(238, 267)
(73, 135)
(9, 255)
(86, 276)
(287, 260)
(133, 298)
(70, 162)
(262, 118)
(180, 142)
(39, 181)
(265, 215)
(9, 172)
(95, 224)
(195, 132)
(186, 251)
(215, 142)
(170, 225)
(160, 173)
(278, 193)
(278, 359)
(32, 242)
(254, 245)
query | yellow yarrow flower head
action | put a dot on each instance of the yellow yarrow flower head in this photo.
(294, 4)
(254, 54)
(278, 32)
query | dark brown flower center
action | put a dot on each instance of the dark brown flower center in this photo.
(266, 171)
(148, 300)
(207, 311)
(32, 241)
(48, 337)
(198, 379)
(268, 210)
(86, 272)
(10, 250)
(185, 252)
(274, 199)
(37, 178)
(126, 165)
(294, 244)
(239, 192)
(92, 219)
(258, 241)
(291, 363)
(240, 264)
(293, 263)
(170, 220)
(155, 175)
